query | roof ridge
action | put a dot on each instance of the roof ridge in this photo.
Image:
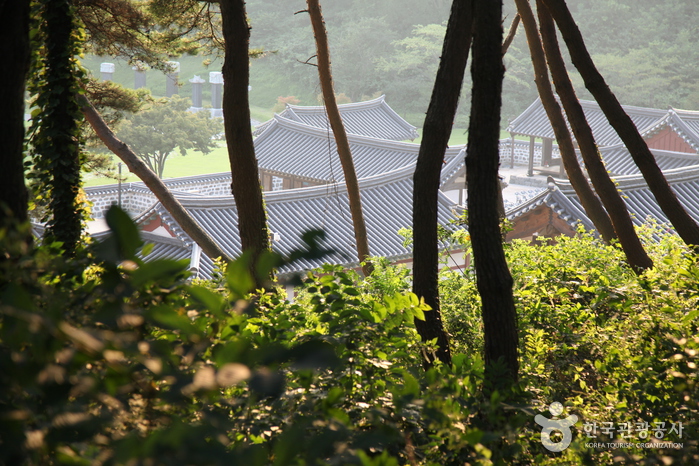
(348, 106)
(352, 137)
(394, 176)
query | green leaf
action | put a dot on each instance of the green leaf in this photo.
(167, 317)
(410, 385)
(266, 263)
(474, 436)
(690, 316)
(239, 278)
(123, 240)
(160, 270)
(418, 313)
(147, 249)
(212, 301)
(335, 394)
(231, 351)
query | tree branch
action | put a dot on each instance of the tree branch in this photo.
(155, 184)
(511, 34)
(307, 62)
(338, 128)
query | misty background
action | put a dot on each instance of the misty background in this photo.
(647, 50)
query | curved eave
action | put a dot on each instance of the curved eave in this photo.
(635, 192)
(560, 201)
(534, 121)
(372, 118)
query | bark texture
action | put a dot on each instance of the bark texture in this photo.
(493, 277)
(246, 189)
(154, 183)
(592, 205)
(338, 128)
(686, 227)
(435, 135)
(636, 255)
(14, 48)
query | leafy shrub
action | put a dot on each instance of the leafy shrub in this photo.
(107, 359)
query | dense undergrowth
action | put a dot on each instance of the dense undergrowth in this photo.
(106, 359)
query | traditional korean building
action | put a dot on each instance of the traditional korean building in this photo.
(303, 179)
(295, 150)
(676, 131)
(386, 200)
(373, 118)
(293, 155)
(534, 123)
(557, 210)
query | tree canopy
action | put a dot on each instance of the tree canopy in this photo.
(155, 133)
(644, 49)
(108, 356)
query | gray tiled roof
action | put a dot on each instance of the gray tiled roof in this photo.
(534, 121)
(454, 167)
(386, 200)
(164, 247)
(641, 202)
(290, 148)
(373, 118)
(638, 198)
(618, 160)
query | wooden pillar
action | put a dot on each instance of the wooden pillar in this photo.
(546, 152)
(512, 150)
(530, 162)
(266, 181)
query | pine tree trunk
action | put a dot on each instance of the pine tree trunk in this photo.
(338, 128)
(636, 255)
(14, 50)
(685, 226)
(59, 130)
(435, 136)
(493, 277)
(154, 182)
(591, 204)
(246, 189)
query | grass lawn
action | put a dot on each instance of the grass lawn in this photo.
(194, 163)
(459, 136)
